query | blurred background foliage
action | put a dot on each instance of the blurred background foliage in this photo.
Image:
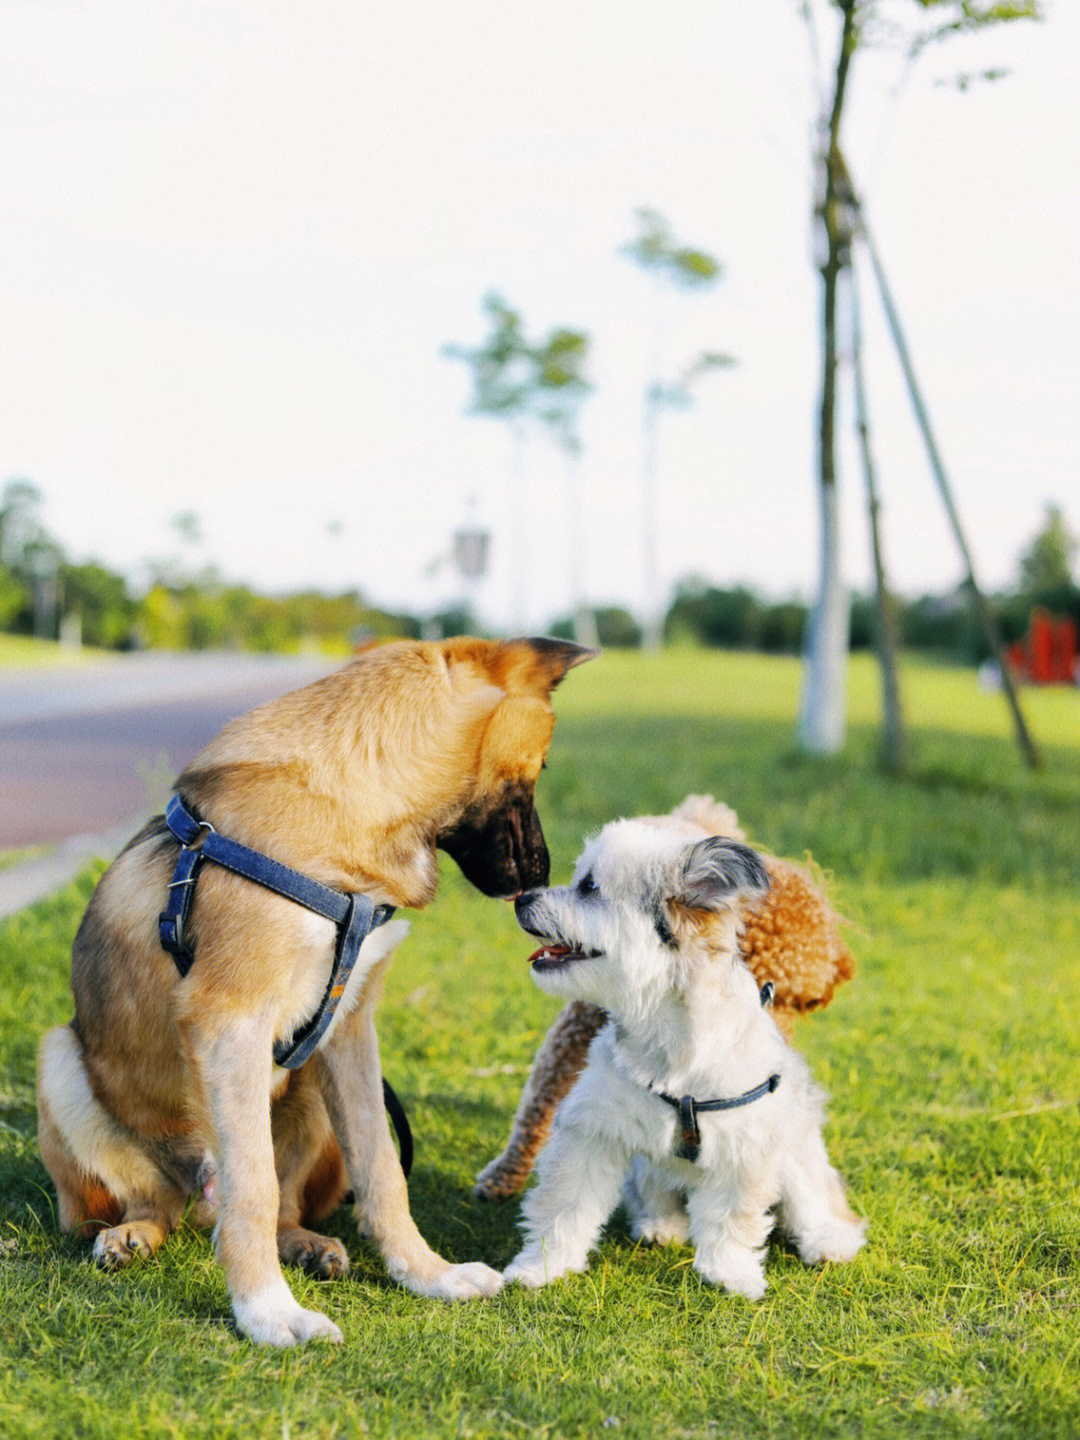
(45, 593)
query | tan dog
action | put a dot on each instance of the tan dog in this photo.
(164, 1087)
(790, 939)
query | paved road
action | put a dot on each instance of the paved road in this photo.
(87, 751)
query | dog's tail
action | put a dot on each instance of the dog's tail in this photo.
(714, 817)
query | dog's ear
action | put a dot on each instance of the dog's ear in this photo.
(540, 663)
(716, 872)
(519, 667)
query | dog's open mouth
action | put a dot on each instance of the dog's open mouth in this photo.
(555, 954)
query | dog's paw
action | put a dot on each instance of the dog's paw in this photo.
(274, 1318)
(534, 1275)
(661, 1229)
(735, 1275)
(536, 1268)
(474, 1281)
(319, 1255)
(838, 1242)
(120, 1245)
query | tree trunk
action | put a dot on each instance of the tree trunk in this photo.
(653, 627)
(582, 617)
(822, 715)
(519, 524)
(893, 733)
(982, 605)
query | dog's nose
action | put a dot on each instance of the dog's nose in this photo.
(523, 901)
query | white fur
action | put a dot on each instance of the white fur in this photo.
(103, 1146)
(457, 1282)
(686, 1018)
(273, 1317)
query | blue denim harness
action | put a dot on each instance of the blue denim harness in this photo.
(354, 914)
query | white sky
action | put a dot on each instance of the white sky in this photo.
(235, 238)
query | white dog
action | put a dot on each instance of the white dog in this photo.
(690, 1095)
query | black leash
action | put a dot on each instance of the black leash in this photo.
(396, 1111)
(354, 915)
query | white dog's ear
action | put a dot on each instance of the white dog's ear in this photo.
(715, 872)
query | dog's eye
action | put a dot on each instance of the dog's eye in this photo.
(587, 885)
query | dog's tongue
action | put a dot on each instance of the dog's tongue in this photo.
(549, 952)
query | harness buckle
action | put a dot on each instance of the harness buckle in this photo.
(173, 919)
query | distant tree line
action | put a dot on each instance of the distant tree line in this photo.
(42, 592)
(944, 624)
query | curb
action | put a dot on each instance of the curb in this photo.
(22, 885)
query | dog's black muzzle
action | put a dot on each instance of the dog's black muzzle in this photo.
(501, 849)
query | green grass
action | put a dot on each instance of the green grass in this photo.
(952, 1061)
(24, 652)
(20, 854)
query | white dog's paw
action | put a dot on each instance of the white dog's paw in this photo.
(840, 1241)
(736, 1275)
(468, 1282)
(474, 1281)
(532, 1274)
(274, 1318)
(537, 1268)
(661, 1229)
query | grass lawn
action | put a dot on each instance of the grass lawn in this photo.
(23, 652)
(952, 1059)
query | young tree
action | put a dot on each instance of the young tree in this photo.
(502, 390)
(561, 389)
(1047, 564)
(519, 382)
(31, 559)
(886, 622)
(20, 523)
(822, 717)
(680, 267)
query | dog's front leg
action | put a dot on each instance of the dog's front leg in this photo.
(235, 1061)
(729, 1225)
(351, 1079)
(579, 1180)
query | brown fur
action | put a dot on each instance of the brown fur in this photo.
(791, 938)
(163, 1090)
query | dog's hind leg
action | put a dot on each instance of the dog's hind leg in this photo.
(656, 1209)
(106, 1184)
(311, 1178)
(557, 1065)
